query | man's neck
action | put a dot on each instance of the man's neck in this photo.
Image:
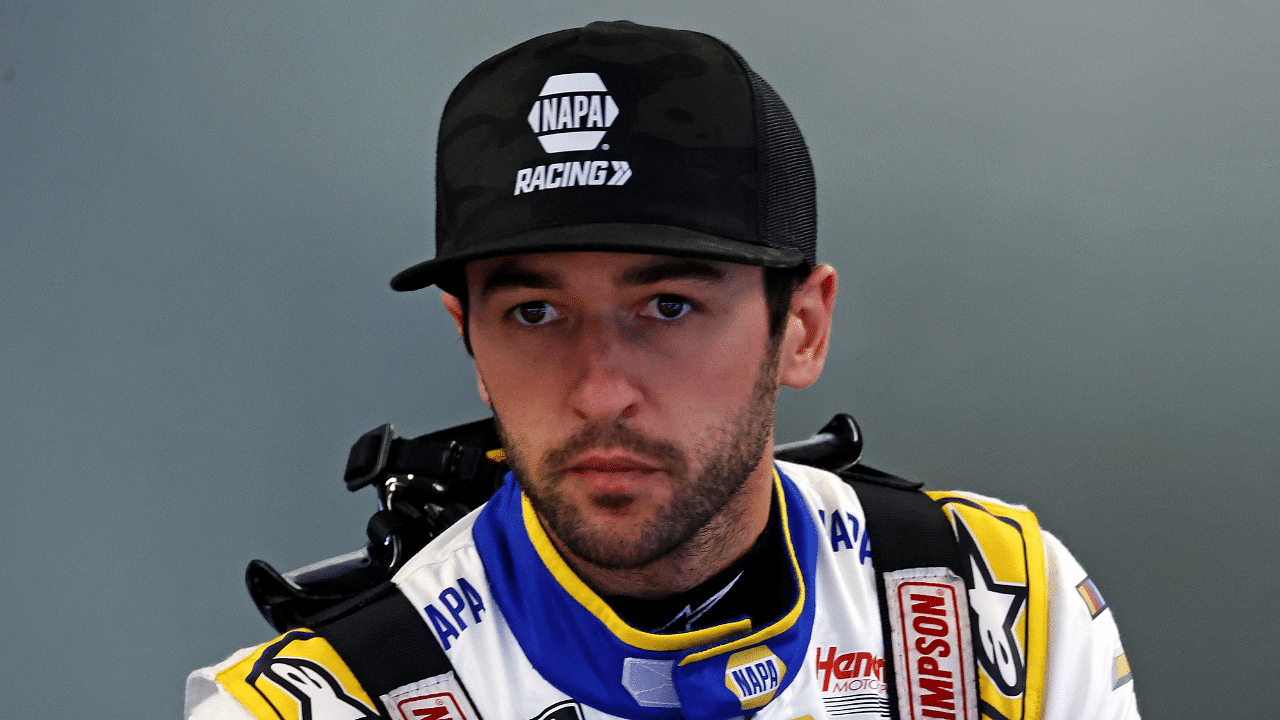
(751, 587)
(727, 537)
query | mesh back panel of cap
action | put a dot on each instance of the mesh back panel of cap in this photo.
(788, 211)
(788, 198)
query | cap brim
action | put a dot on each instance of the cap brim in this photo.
(598, 237)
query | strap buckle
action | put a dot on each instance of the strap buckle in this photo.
(368, 457)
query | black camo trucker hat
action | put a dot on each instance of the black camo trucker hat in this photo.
(618, 137)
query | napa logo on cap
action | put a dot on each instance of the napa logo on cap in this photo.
(754, 675)
(572, 112)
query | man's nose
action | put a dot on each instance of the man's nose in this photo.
(606, 380)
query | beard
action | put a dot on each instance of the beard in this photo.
(704, 480)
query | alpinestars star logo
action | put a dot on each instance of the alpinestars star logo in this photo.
(997, 606)
(319, 694)
(571, 114)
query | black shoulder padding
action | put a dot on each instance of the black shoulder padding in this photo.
(383, 640)
(866, 474)
(907, 528)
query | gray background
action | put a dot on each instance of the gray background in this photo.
(1056, 224)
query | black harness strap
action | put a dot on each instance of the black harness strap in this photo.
(383, 641)
(907, 530)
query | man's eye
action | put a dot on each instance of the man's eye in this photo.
(669, 307)
(537, 312)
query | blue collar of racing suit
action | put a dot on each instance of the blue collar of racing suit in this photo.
(581, 646)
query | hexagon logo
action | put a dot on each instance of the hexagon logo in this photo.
(572, 112)
(754, 675)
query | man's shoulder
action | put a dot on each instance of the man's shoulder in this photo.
(205, 699)
(287, 677)
(455, 544)
(273, 679)
(810, 479)
(971, 498)
(821, 485)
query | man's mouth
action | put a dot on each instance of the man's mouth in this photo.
(611, 457)
(613, 464)
(612, 475)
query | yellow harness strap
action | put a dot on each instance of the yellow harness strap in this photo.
(1010, 598)
(298, 675)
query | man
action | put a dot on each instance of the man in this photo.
(626, 241)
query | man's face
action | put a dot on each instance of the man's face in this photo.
(634, 393)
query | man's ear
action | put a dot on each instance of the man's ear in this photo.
(454, 306)
(808, 329)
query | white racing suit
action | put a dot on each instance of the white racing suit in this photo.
(528, 640)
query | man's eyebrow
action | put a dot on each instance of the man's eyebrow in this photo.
(678, 269)
(510, 275)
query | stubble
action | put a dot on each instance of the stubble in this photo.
(705, 480)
